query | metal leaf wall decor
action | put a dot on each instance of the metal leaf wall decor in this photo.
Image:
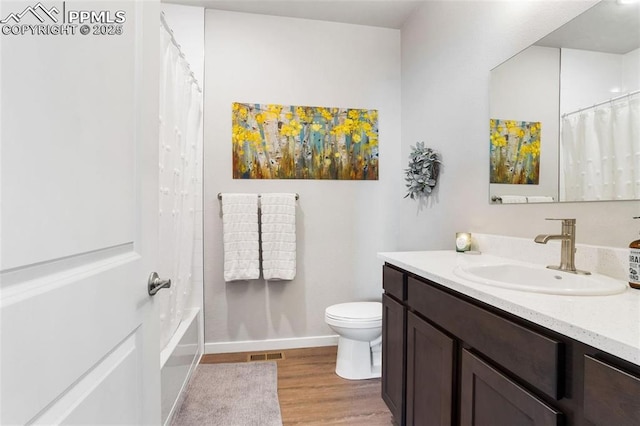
(422, 174)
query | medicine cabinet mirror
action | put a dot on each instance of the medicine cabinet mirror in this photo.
(565, 112)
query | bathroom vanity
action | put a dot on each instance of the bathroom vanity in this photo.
(460, 353)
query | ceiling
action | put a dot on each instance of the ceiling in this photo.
(617, 25)
(608, 27)
(377, 13)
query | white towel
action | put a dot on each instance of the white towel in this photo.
(278, 217)
(539, 199)
(240, 236)
(513, 199)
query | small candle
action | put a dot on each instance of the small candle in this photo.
(463, 241)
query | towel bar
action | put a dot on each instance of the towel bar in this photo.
(220, 196)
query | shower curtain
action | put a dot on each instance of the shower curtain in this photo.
(600, 152)
(180, 143)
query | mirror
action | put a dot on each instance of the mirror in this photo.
(565, 113)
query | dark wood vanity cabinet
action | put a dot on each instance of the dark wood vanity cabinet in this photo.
(430, 367)
(394, 326)
(488, 397)
(393, 355)
(611, 395)
(462, 362)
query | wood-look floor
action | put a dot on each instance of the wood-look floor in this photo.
(310, 392)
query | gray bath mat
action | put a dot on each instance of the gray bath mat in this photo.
(239, 394)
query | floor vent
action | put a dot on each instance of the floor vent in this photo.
(271, 356)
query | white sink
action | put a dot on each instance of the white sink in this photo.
(538, 279)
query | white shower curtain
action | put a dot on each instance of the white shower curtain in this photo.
(180, 143)
(600, 152)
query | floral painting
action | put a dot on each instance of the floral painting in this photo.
(515, 151)
(304, 142)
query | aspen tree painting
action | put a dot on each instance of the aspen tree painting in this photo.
(515, 151)
(304, 142)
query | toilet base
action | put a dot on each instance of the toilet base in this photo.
(355, 360)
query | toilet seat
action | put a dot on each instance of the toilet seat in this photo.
(355, 311)
(355, 314)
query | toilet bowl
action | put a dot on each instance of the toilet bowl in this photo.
(359, 329)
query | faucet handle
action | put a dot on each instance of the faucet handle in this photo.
(564, 221)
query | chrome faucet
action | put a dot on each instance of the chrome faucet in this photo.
(568, 248)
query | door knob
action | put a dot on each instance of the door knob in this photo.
(156, 284)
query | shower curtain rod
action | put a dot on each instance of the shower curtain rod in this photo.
(220, 196)
(617, 98)
(181, 53)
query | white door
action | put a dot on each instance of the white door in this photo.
(79, 185)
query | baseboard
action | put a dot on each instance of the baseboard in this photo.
(269, 345)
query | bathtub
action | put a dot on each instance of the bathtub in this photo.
(178, 360)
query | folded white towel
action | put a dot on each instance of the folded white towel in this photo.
(513, 199)
(278, 217)
(240, 236)
(539, 199)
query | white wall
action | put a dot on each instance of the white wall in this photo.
(340, 224)
(631, 71)
(448, 49)
(532, 76)
(589, 77)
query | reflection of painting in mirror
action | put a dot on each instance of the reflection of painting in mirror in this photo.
(515, 151)
(303, 142)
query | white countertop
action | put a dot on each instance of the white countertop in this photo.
(609, 323)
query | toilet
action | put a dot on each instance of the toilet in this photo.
(359, 327)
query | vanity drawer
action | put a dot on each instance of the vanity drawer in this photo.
(611, 396)
(394, 283)
(533, 357)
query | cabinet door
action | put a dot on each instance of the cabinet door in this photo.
(430, 360)
(610, 394)
(490, 398)
(393, 356)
